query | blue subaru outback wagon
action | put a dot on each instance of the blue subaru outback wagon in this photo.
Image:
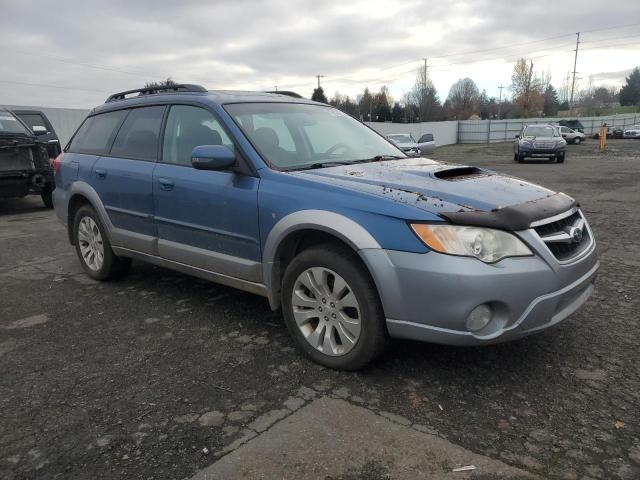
(300, 203)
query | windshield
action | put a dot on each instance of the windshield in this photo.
(401, 138)
(540, 131)
(295, 136)
(10, 124)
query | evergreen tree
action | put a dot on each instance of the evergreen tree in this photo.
(551, 102)
(630, 93)
(319, 96)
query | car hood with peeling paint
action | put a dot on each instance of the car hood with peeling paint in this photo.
(430, 185)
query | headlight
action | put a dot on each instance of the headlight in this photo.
(560, 143)
(526, 143)
(485, 244)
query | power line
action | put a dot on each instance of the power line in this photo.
(53, 86)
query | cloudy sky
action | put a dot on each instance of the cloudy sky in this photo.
(75, 52)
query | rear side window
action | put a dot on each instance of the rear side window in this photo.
(35, 120)
(96, 133)
(138, 136)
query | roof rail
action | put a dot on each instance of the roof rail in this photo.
(287, 93)
(178, 87)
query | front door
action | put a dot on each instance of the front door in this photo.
(205, 219)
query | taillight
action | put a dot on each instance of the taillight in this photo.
(57, 162)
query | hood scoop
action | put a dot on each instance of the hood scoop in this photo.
(460, 173)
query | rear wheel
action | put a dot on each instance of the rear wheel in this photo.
(93, 247)
(331, 308)
(577, 140)
(47, 197)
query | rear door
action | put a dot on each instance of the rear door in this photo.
(206, 219)
(123, 179)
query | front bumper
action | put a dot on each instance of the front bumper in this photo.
(429, 296)
(541, 152)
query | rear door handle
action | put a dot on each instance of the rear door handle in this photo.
(100, 173)
(165, 183)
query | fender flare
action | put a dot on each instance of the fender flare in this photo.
(344, 228)
(87, 191)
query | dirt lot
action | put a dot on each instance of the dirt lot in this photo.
(159, 375)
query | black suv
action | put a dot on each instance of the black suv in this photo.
(40, 125)
(25, 166)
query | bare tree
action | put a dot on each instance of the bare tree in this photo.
(464, 99)
(527, 88)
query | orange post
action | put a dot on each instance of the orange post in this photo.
(603, 137)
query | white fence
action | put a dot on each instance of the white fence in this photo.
(493, 131)
(444, 133)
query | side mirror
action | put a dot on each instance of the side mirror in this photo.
(39, 130)
(212, 157)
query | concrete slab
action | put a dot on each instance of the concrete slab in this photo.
(332, 439)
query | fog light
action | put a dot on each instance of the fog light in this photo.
(479, 318)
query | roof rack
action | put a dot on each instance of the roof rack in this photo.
(178, 87)
(287, 93)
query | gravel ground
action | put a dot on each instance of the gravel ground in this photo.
(159, 374)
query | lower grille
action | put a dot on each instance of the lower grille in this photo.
(565, 238)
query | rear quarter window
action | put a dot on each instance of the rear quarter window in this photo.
(96, 133)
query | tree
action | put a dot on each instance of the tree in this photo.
(464, 99)
(365, 105)
(630, 93)
(551, 102)
(319, 96)
(397, 113)
(162, 83)
(424, 96)
(527, 88)
(381, 108)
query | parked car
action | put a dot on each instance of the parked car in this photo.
(406, 143)
(632, 132)
(296, 201)
(25, 167)
(38, 122)
(537, 141)
(426, 144)
(572, 124)
(571, 136)
(612, 132)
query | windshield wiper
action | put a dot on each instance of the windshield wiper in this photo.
(380, 158)
(332, 163)
(337, 163)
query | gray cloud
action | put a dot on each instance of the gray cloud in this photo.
(259, 43)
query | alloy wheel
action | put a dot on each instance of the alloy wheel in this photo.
(326, 311)
(90, 243)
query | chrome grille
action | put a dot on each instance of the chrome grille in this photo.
(567, 237)
(543, 145)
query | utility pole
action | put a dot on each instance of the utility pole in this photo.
(500, 101)
(424, 92)
(575, 63)
(319, 77)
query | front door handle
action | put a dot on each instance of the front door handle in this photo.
(100, 173)
(165, 183)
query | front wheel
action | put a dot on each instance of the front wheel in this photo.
(560, 158)
(331, 308)
(93, 247)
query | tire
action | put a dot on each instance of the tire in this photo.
(337, 344)
(47, 197)
(560, 158)
(89, 236)
(577, 141)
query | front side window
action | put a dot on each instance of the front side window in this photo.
(189, 127)
(10, 124)
(295, 136)
(96, 133)
(139, 134)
